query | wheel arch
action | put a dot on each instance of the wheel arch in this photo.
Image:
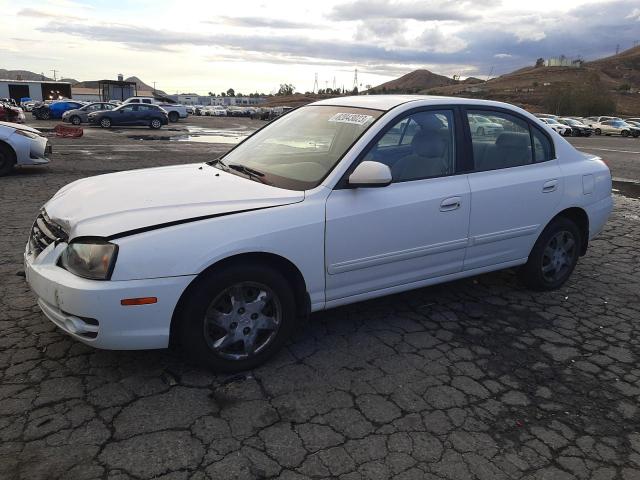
(291, 272)
(578, 216)
(11, 150)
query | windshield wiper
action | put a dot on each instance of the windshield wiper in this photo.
(217, 161)
(250, 172)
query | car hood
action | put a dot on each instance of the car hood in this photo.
(17, 126)
(122, 203)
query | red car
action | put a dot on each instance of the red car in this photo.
(9, 113)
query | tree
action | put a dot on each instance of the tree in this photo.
(211, 94)
(540, 62)
(286, 89)
(231, 92)
(223, 94)
(355, 90)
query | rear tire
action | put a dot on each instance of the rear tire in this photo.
(220, 319)
(7, 160)
(174, 117)
(45, 115)
(553, 257)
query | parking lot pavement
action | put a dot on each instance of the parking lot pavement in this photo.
(621, 154)
(477, 378)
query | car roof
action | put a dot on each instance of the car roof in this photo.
(387, 102)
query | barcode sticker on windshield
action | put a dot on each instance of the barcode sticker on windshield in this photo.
(355, 118)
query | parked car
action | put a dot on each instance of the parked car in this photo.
(131, 114)
(11, 113)
(175, 111)
(545, 115)
(481, 126)
(81, 115)
(216, 111)
(21, 145)
(28, 106)
(223, 258)
(44, 111)
(594, 121)
(563, 130)
(190, 109)
(635, 123)
(616, 127)
(578, 129)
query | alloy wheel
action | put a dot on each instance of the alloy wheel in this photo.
(242, 320)
(558, 256)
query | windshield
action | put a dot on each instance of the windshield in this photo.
(299, 150)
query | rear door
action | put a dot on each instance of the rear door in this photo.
(516, 186)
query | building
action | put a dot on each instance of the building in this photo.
(563, 61)
(86, 94)
(240, 101)
(34, 89)
(117, 89)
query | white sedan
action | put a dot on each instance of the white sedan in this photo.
(336, 202)
(21, 145)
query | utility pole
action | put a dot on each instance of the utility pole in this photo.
(315, 84)
(490, 73)
(55, 78)
(154, 87)
(617, 49)
(355, 78)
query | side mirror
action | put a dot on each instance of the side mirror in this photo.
(371, 174)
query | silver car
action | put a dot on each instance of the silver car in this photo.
(81, 115)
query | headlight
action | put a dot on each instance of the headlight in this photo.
(92, 258)
(24, 133)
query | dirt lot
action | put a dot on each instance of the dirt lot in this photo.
(477, 378)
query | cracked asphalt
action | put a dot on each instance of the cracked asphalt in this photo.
(475, 379)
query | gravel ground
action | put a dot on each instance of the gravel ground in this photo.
(477, 378)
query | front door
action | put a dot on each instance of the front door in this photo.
(414, 229)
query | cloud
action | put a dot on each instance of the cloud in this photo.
(504, 43)
(256, 22)
(429, 10)
(32, 12)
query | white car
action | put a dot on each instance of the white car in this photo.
(21, 145)
(562, 129)
(336, 202)
(481, 126)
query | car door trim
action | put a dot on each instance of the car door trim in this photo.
(391, 257)
(503, 235)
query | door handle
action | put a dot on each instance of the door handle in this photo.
(451, 203)
(550, 186)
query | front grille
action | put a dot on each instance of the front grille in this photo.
(44, 232)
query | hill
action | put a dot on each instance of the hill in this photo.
(21, 75)
(413, 82)
(616, 76)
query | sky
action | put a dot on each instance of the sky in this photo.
(254, 46)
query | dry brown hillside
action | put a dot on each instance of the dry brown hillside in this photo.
(414, 82)
(528, 86)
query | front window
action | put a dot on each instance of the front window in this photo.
(298, 150)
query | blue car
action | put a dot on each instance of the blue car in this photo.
(55, 109)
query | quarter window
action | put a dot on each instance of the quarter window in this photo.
(499, 140)
(418, 146)
(541, 146)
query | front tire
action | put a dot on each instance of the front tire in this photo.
(75, 120)
(155, 124)
(553, 257)
(624, 133)
(45, 115)
(234, 318)
(105, 122)
(174, 117)
(598, 131)
(7, 160)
